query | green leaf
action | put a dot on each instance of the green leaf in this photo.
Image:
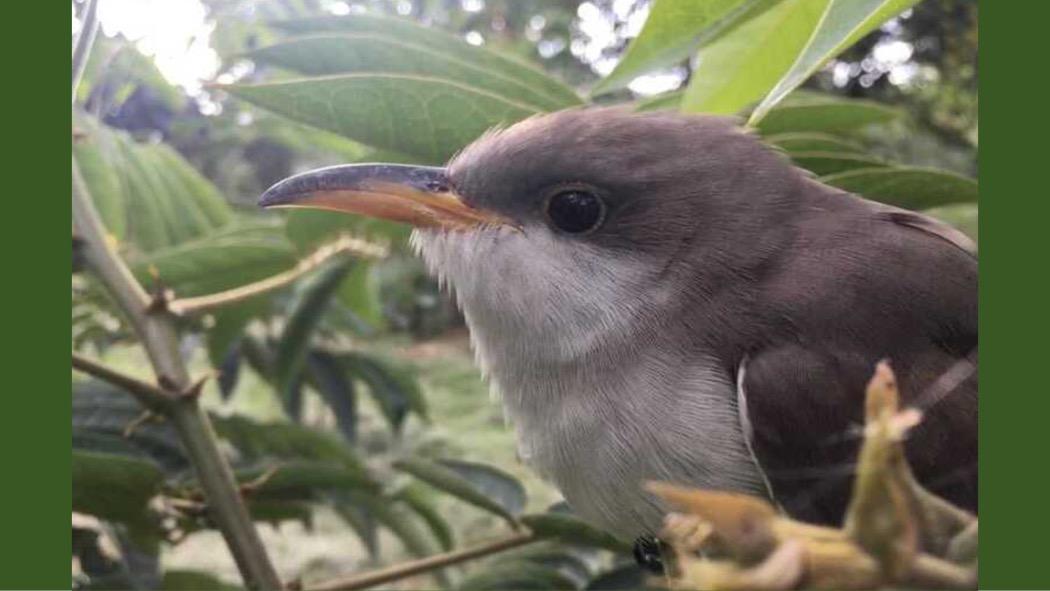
(257, 442)
(326, 375)
(843, 23)
(452, 482)
(572, 530)
(302, 480)
(442, 43)
(824, 115)
(114, 487)
(230, 258)
(393, 388)
(741, 66)
(400, 521)
(417, 499)
(371, 52)
(491, 482)
(147, 195)
(308, 303)
(360, 294)
(825, 163)
(960, 215)
(666, 101)
(101, 412)
(673, 29)
(907, 187)
(309, 229)
(424, 117)
(813, 142)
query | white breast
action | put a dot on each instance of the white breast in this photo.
(599, 402)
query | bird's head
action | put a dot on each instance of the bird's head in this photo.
(576, 222)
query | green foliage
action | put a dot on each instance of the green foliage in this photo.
(114, 487)
(672, 31)
(739, 68)
(484, 487)
(146, 194)
(908, 187)
(303, 314)
(841, 25)
(570, 529)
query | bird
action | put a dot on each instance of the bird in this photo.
(664, 296)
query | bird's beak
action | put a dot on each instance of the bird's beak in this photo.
(417, 195)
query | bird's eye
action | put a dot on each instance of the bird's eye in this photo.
(575, 211)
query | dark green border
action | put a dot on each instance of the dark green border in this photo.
(35, 243)
(1015, 299)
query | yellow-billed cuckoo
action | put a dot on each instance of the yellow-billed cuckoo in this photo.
(661, 296)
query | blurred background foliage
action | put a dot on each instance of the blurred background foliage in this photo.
(343, 399)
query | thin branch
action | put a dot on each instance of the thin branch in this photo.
(415, 567)
(157, 332)
(149, 395)
(86, 38)
(344, 245)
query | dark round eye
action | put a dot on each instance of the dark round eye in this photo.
(575, 211)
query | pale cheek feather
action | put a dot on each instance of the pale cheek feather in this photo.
(599, 404)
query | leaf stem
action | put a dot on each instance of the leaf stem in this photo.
(415, 567)
(150, 396)
(155, 327)
(344, 245)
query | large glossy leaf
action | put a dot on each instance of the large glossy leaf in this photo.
(350, 53)
(393, 388)
(147, 195)
(911, 188)
(825, 163)
(114, 487)
(843, 23)
(425, 117)
(438, 42)
(572, 530)
(824, 115)
(741, 66)
(452, 482)
(673, 29)
(233, 257)
(813, 142)
(308, 303)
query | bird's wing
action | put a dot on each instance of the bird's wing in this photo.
(802, 413)
(931, 227)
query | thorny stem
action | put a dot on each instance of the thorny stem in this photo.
(156, 330)
(148, 395)
(344, 245)
(415, 567)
